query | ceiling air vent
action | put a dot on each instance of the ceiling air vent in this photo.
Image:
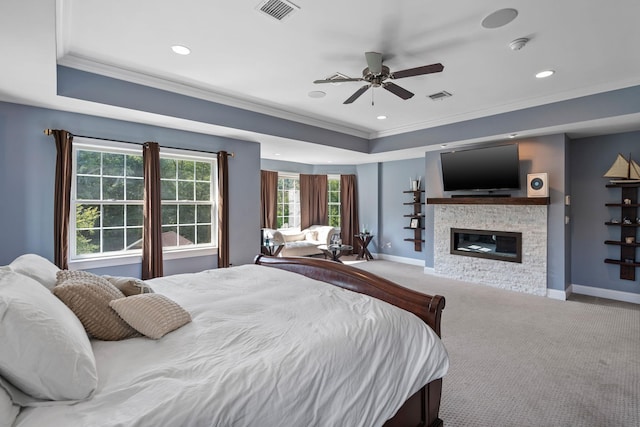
(278, 9)
(439, 95)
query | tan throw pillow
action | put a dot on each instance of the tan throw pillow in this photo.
(88, 296)
(153, 315)
(129, 285)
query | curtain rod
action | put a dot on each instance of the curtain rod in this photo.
(50, 132)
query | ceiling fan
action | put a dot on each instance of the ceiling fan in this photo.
(376, 75)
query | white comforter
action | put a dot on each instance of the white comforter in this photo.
(266, 348)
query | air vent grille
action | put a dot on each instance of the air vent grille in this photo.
(277, 9)
(439, 95)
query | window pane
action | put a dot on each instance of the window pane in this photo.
(203, 171)
(169, 214)
(113, 240)
(168, 190)
(87, 242)
(203, 191)
(334, 210)
(134, 238)
(334, 197)
(134, 215)
(112, 188)
(334, 185)
(204, 234)
(204, 214)
(134, 166)
(168, 168)
(88, 162)
(187, 235)
(87, 216)
(88, 188)
(185, 190)
(113, 164)
(113, 216)
(187, 214)
(186, 169)
(169, 236)
(135, 189)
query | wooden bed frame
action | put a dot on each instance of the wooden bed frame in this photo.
(422, 408)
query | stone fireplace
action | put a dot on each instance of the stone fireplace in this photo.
(495, 225)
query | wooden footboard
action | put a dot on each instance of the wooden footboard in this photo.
(422, 408)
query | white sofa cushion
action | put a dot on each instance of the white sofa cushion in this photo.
(8, 411)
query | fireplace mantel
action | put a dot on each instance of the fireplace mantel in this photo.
(519, 201)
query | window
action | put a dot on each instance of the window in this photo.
(288, 203)
(333, 186)
(187, 206)
(107, 195)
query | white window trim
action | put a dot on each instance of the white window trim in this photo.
(289, 175)
(135, 257)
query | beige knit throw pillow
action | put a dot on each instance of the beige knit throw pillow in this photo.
(153, 315)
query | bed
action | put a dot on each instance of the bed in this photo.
(285, 341)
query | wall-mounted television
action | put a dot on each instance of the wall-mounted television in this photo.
(492, 168)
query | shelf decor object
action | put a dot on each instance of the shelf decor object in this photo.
(628, 224)
(416, 223)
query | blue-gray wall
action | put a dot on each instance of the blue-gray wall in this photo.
(590, 159)
(27, 168)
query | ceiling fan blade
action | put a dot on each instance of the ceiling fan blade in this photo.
(374, 62)
(357, 94)
(397, 90)
(427, 69)
(355, 79)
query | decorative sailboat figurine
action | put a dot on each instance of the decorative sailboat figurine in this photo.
(623, 171)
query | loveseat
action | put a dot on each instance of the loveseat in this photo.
(302, 242)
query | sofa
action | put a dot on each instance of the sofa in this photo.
(302, 242)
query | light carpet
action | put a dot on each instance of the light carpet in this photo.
(524, 360)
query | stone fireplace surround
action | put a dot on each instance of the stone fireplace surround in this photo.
(526, 216)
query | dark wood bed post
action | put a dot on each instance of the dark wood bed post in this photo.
(421, 409)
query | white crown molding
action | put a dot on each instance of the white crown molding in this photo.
(91, 66)
(509, 107)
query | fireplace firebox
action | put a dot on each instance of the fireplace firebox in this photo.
(497, 245)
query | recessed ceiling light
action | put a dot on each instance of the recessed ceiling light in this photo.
(181, 50)
(499, 18)
(276, 154)
(513, 135)
(545, 73)
(316, 94)
(443, 145)
(381, 117)
(329, 161)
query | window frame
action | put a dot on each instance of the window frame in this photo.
(329, 203)
(294, 176)
(134, 256)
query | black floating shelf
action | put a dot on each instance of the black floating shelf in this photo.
(620, 262)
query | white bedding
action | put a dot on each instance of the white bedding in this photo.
(266, 347)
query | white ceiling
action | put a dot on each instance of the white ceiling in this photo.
(242, 57)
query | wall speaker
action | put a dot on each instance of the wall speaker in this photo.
(537, 185)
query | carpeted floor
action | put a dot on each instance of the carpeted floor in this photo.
(523, 360)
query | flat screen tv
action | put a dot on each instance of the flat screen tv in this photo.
(493, 168)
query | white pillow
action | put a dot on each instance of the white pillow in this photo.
(45, 350)
(36, 267)
(8, 411)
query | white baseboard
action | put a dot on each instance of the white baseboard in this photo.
(429, 270)
(400, 259)
(558, 294)
(605, 293)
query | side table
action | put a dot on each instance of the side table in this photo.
(335, 251)
(364, 240)
(272, 249)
